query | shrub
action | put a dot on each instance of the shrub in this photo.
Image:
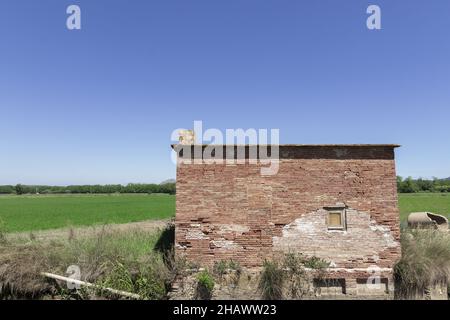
(230, 268)
(223, 266)
(220, 267)
(271, 281)
(425, 262)
(316, 263)
(205, 285)
(234, 265)
(299, 279)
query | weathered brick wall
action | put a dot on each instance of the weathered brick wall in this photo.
(233, 212)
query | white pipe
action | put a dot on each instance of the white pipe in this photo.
(350, 270)
(87, 284)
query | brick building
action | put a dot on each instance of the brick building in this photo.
(336, 202)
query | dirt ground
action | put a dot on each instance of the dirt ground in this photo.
(58, 234)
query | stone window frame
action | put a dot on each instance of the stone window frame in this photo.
(340, 208)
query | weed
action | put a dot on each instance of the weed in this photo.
(205, 285)
(220, 267)
(316, 263)
(3, 239)
(299, 280)
(271, 281)
(119, 260)
(223, 266)
(425, 262)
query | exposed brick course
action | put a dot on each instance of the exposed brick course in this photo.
(233, 212)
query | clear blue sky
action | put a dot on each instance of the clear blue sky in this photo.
(98, 105)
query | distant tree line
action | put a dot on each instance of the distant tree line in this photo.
(410, 185)
(108, 188)
(404, 185)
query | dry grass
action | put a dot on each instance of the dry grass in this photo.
(271, 281)
(20, 266)
(129, 260)
(425, 262)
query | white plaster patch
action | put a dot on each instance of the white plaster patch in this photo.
(179, 246)
(290, 230)
(225, 244)
(386, 232)
(309, 234)
(237, 228)
(196, 234)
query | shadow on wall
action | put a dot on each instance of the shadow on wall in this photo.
(165, 244)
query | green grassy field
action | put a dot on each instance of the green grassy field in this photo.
(27, 213)
(416, 202)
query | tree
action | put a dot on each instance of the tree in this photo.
(7, 189)
(408, 186)
(19, 189)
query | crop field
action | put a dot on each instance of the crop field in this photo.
(42, 212)
(416, 202)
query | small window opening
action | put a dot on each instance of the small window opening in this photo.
(336, 219)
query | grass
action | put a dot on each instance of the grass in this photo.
(42, 212)
(416, 202)
(205, 285)
(425, 262)
(271, 281)
(126, 260)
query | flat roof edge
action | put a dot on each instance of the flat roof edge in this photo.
(297, 145)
